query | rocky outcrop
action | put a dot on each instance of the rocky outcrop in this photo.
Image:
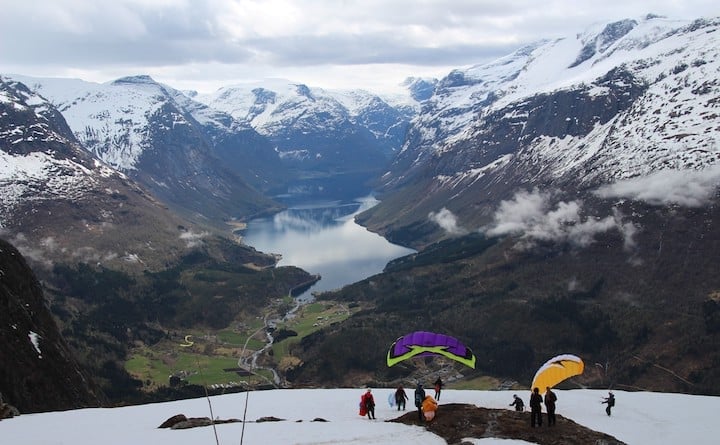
(7, 411)
(456, 422)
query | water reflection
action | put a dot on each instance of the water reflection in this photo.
(324, 239)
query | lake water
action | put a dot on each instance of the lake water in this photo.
(323, 238)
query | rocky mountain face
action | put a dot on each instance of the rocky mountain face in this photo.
(181, 151)
(618, 102)
(61, 203)
(238, 145)
(39, 372)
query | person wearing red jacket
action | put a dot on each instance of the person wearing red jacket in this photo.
(368, 402)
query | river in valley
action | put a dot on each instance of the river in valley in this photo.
(323, 238)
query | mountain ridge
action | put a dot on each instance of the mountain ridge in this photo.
(569, 132)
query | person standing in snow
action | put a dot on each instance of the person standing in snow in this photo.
(438, 388)
(400, 397)
(419, 397)
(610, 400)
(550, 399)
(369, 402)
(536, 401)
(518, 403)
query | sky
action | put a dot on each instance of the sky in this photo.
(638, 418)
(334, 44)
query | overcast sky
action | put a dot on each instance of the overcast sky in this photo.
(371, 44)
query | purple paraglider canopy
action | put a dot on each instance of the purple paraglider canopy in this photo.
(423, 343)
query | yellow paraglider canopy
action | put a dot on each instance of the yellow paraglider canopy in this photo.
(556, 370)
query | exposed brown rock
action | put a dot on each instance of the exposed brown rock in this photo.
(182, 422)
(455, 422)
(177, 418)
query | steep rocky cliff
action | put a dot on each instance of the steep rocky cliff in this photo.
(39, 371)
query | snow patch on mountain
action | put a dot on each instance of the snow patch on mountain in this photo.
(37, 175)
(110, 119)
(468, 177)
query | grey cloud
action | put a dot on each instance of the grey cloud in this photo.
(370, 48)
(262, 39)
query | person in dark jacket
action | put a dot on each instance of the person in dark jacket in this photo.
(536, 401)
(550, 399)
(610, 400)
(518, 403)
(419, 397)
(438, 387)
(400, 398)
(369, 401)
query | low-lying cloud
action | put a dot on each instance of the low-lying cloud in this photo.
(687, 188)
(193, 239)
(532, 217)
(447, 221)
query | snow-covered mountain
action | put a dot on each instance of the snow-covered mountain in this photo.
(179, 149)
(618, 101)
(59, 201)
(317, 129)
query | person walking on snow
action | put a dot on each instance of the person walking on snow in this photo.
(400, 397)
(550, 399)
(369, 402)
(518, 403)
(438, 388)
(536, 401)
(610, 400)
(419, 397)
